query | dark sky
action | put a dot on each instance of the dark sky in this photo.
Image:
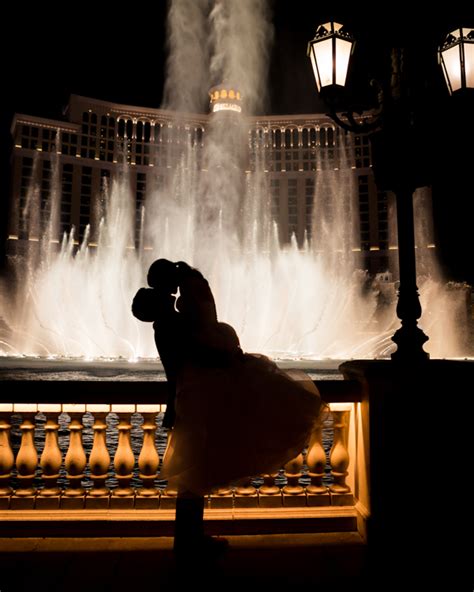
(99, 53)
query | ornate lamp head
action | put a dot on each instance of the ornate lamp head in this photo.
(330, 51)
(456, 56)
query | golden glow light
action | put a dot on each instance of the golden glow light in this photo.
(74, 407)
(341, 406)
(25, 407)
(49, 407)
(148, 408)
(224, 98)
(123, 408)
(226, 107)
(97, 408)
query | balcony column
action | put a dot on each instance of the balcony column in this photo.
(75, 461)
(246, 494)
(27, 459)
(222, 497)
(269, 494)
(7, 459)
(293, 492)
(51, 459)
(99, 460)
(316, 460)
(339, 455)
(124, 460)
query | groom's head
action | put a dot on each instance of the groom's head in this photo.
(144, 305)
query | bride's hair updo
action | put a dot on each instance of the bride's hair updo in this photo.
(163, 275)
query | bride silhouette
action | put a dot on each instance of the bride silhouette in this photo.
(237, 414)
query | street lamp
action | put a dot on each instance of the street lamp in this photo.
(395, 141)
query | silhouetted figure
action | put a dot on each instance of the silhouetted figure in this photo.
(237, 414)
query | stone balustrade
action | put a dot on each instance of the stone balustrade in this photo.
(30, 472)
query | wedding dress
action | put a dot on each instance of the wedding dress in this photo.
(237, 415)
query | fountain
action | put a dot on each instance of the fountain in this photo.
(293, 300)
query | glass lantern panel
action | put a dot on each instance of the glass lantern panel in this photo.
(445, 74)
(323, 57)
(343, 53)
(469, 64)
(315, 69)
(452, 64)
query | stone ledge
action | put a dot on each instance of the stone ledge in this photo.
(122, 522)
(100, 544)
(165, 502)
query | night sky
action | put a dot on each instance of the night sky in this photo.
(99, 53)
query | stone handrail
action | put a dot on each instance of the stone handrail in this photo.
(139, 391)
(31, 478)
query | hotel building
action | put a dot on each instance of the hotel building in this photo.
(98, 138)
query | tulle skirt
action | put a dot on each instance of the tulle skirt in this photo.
(241, 420)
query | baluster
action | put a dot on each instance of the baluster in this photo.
(75, 461)
(168, 498)
(7, 459)
(27, 458)
(222, 497)
(149, 460)
(51, 459)
(316, 460)
(99, 459)
(339, 455)
(124, 460)
(269, 487)
(245, 494)
(269, 494)
(224, 490)
(293, 492)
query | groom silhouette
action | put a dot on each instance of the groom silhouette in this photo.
(176, 345)
(157, 304)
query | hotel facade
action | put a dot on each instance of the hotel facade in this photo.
(98, 139)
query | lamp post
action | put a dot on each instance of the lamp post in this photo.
(395, 141)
